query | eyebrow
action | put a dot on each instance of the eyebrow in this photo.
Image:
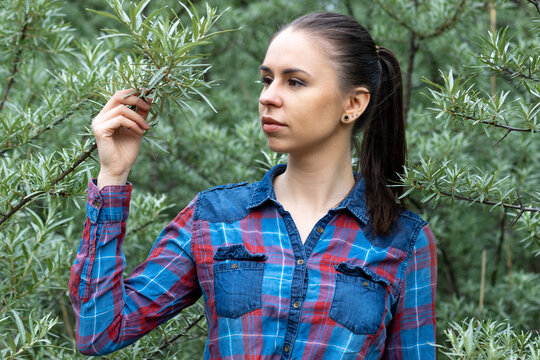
(286, 71)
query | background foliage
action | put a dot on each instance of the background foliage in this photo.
(472, 85)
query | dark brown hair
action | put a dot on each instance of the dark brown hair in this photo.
(383, 149)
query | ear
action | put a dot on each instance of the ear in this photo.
(356, 104)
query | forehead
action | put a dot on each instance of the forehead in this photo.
(298, 49)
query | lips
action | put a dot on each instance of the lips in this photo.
(270, 125)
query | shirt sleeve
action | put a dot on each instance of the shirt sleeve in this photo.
(412, 334)
(111, 312)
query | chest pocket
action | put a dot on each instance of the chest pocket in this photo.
(359, 299)
(237, 280)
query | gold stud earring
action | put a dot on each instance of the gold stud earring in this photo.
(346, 118)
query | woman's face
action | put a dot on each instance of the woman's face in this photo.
(300, 104)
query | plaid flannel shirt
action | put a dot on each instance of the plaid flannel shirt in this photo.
(343, 294)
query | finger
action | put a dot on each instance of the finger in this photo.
(136, 101)
(126, 112)
(123, 122)
(109, 127)
(118, 98)
(143, 111)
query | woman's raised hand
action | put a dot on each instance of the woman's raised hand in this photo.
(119, 131)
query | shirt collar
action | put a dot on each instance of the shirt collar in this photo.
(355, 202)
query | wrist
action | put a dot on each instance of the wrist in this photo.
(104, 179)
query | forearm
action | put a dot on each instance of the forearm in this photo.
(96, 284)
(412, 334)
(112, 312)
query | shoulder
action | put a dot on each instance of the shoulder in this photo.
(405, 232)
(224, 203)
(418, 230)
(410, 219)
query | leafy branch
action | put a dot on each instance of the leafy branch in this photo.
(164, 64)
(22, 125)
(18, 43)
(162, 58)
(499, 54)
(34, 195)
(483, 340)
(30, 336)
(438, 179)
(448, 22)
(460, 102)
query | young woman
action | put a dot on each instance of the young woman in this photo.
(311, 262)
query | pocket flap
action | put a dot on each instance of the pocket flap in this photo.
(361, 271)
(237, 252)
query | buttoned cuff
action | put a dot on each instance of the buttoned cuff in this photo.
(108, 205)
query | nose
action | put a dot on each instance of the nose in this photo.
(270, 96)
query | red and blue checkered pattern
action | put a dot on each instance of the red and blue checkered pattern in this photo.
(343, 294)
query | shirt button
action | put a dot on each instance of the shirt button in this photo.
(286, 348)
(320, 230)
(296, 304)
(97, 203)
(235, 266)
(300, 262)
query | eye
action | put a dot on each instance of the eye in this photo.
(266, 80)
(296, 82)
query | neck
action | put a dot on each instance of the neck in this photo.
(315, 181)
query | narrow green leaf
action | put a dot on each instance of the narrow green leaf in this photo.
(103, 13)
(20, 326)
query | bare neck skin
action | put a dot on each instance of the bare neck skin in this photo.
(314, 183)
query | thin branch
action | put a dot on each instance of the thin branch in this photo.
(395, 17)
(520, 207)
(498, 252)
(535, 3)
(439, 30)
(450, 272)
(492, 123)
(447, 25)
(513, 73)
(178, 336)
(39, 131)
(413, 48)
(77, 162)
(16, 60)
(31, 197)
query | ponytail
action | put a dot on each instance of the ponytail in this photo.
(384, 147)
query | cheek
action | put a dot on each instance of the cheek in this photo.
(327, 105)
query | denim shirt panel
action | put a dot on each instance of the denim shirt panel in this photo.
(233, 202)
(224, 204)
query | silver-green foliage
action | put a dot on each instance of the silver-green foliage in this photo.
(51, 87)
(459, 101)
(480, 147)
(490, 340)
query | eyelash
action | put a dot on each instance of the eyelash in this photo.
(266, 80)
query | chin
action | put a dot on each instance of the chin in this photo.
(278, 147)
